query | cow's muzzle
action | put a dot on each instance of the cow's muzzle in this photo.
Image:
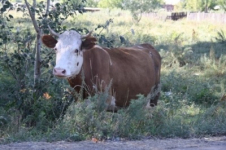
(59, 72)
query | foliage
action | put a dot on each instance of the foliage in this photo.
(91, 3)
(139, 7)
(69, 7)
(32, 101)
(5, 4)
(221, 36)
(110, 4)
(199, 5)
(21, 94)
(222, 4)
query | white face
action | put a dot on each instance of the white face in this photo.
(69, 57)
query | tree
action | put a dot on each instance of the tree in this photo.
(206, 5)
(222, 4)
(32, 13)
(138, 7)
(199, 5)
(110, 4)
(91, 3)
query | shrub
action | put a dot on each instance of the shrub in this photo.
(88, 119)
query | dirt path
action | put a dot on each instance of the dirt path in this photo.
(211, 143)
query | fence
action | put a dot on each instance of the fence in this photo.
(213, 17)
(200, 16)
(171, 16)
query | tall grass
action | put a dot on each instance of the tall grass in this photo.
(192, 101)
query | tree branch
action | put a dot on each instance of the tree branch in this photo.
(32, 15)
(47, 8)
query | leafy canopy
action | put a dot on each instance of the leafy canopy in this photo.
(199, 5)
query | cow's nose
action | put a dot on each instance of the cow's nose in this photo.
(59, 72)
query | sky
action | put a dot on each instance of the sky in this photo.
(172, 1)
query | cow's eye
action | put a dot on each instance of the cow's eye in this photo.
(76, 51)
(55, 49)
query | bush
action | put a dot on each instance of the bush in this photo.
(35, 105)
(89, 119)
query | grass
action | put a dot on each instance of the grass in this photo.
(192, 102)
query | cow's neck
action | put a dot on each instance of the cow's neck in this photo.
(76, 79)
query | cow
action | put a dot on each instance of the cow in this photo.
(129, 71)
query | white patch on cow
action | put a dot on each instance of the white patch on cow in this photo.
(97, 46)
(69, 56)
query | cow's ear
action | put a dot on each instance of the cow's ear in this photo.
(49, 41)
(88, 43)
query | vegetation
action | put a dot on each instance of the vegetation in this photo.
(193, 96)
(139, 7)
(202, 5)
(222, 4)
(110, 4)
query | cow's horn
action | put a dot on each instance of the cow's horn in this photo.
(53, 32)
(87, 35)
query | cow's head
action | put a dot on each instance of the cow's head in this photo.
(69, 47)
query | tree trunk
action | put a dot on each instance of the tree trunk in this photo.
(37, 64)
(206, 9)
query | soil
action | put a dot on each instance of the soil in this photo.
(208, 143)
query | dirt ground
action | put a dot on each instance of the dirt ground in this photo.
(208, 143)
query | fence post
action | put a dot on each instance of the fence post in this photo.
(198, 16)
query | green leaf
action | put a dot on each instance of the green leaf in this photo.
(10, 16)
(3, 10)
(57, 4)
(19, 9)
(8, 3)
(65, 8)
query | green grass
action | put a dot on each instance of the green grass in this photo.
(193, 78)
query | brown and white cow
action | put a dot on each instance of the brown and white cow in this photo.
(131, 70)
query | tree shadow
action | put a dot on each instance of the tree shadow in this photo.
(198, 49)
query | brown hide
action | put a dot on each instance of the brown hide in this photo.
(134, 70)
